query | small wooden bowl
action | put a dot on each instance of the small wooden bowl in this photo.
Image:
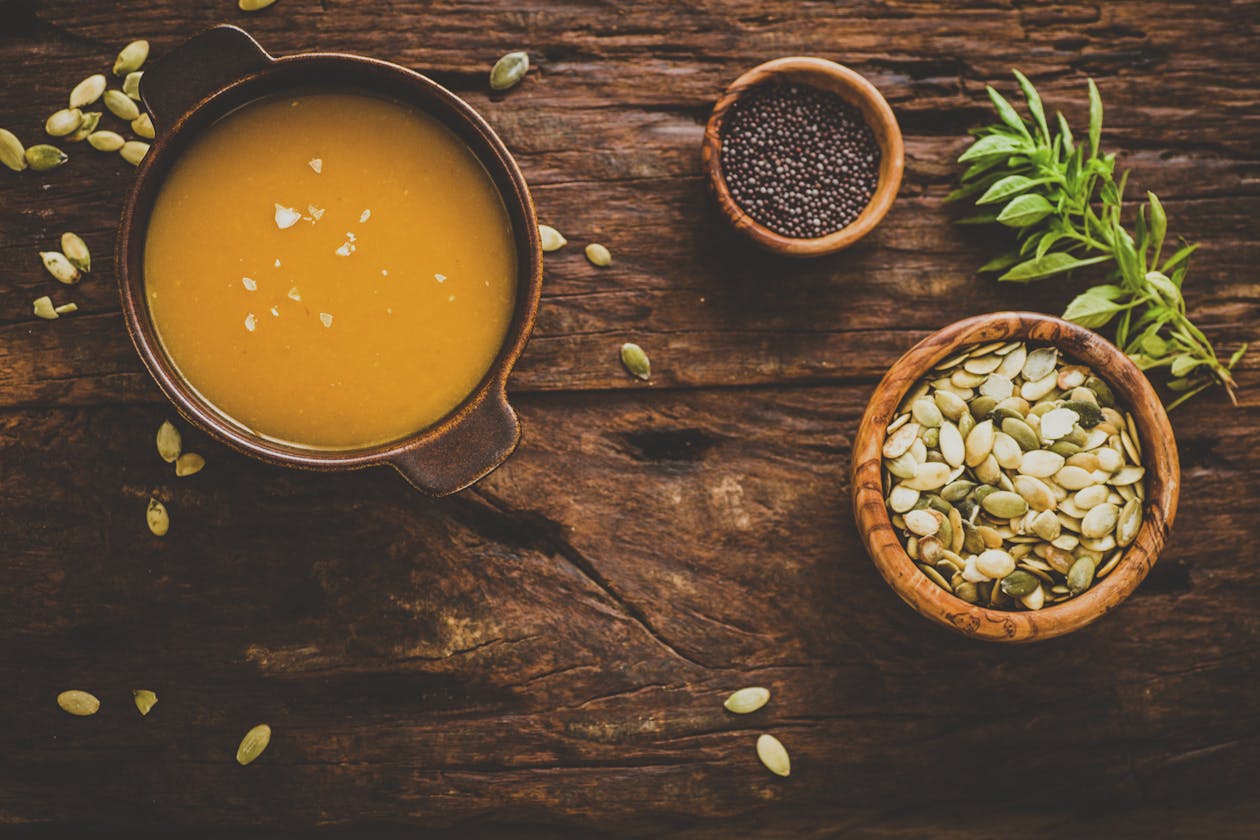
(853, 89)
(1159, 455)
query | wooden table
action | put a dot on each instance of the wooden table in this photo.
(549, 651)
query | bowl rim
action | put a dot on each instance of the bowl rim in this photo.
(1159, 455)
(312, 71)
(862, 94)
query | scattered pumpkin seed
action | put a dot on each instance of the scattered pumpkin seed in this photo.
(255, 740)
(105, 141)
(79, 703)
(598, 254)
(747, 700)
(552, 239)
(44, 309)
(157, 517)
(169, 442)
(145, 700)
(509, 70)
(133, 151)
(253, 5)
(774, 755)
(87, 125)
(636, 361)
(12, 152)
(131, 57)
(1010, 475)
(87, 91)
(143, 126)
(76, 250)
(60, 267)
(63, 122)
(66, 308)
(121, 105)
(131, 84)
(43, 157)
(190, 463)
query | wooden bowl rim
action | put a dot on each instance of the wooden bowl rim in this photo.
(875, 110)
(1159, 456)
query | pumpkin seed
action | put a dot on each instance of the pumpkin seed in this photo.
(903, 466)
(930, 476)
(1040, 363)
(12, 152)
(936, 577)
(63, 122)
(44, 309)
(133, 151)
(188, 464)
(159, 521)
(87, 125)
(994, 563)
(926, 413)
(131, 84)
(1080, 576)
(121, 105)
(774, 755)
(142, 126)
(1034, 600)
(76, 251)
(983, 365)
(168, 442)
(131, 57)
(1040, 463)
(979, 443)
(43, 157)
(1019, 583)
(87, 91)
(747, 700)
(145, 700)
(509, 70)
(1058, 423)
(254, 742)
(552, 239)
(1129, 522)
(60, 267)
(1100, 521)
(598, 255)
(105, 141)
(636, 361)
(79, 703)
(1109, 566)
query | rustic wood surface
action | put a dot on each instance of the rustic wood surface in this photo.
(549, 651)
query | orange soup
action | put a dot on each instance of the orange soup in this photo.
(332, 270)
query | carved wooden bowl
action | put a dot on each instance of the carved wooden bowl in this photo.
(1159, 455)
(857, 92)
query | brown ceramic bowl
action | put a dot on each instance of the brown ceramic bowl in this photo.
(853, 89)
(1159, 455)
(224, 68)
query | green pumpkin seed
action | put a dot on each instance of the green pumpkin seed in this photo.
(1089, 414)
(552, 239)
(158, 519)
(143, 126)
(79, 703)
(133, 151)
(44, 309)
(509, 70)
(774, 755)
(936, 577)
(981, 406)
(60, 267)
(131, 58)
(1100, 521)
(169, 442)
(63, 122)
(131, 84)
(105, 141)
(43, 157)
(145, 700)
(636, 361)
(598, 255)
(747, 700)
(1004, 504)
(121, 105)
(253, 5)
(87, 91)
(86, 126)
(253, 744)
(12, 152)
(188, 464)
(76, 250)
(1080, 576)
(1019, 583)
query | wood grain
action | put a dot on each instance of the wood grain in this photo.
(549, 651)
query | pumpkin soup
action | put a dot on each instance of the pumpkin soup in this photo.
(330, 270)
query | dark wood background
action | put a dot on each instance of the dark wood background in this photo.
(549, 651)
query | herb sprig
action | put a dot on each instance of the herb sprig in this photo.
(1063, 200)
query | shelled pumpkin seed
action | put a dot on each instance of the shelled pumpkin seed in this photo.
(87, 125)
(12, 152)
(509, 70)
(131, 57)
(1013, 477)
(87, 91)
(76, 250)
(131, 84)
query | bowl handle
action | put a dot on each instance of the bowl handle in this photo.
(201, 66)
(473, 444)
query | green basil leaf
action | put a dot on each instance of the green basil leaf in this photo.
(1165, 288)
(1006, 187)
(995, 145)
(1091, 309)
(1051, 264)
(979, 168)
(1025, 210)
(1179, 258)
(1159, 226)
(1154, 345)
(1237, 357)
(998, 263)
(1048, 240)
(1184, 364)
(1095, 118)
(1180, 384)
(1006, 112)
(1068, 144)
(1034, 103)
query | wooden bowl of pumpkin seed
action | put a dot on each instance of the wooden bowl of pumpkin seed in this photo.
(1014, 477)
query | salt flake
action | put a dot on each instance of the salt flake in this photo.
(317, 164)
(286, 217)
(251, 323)
(249, 284)
(325, 319)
